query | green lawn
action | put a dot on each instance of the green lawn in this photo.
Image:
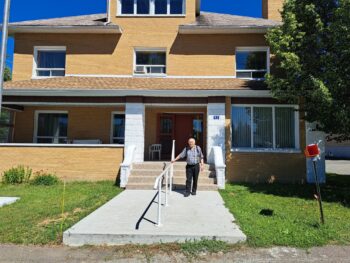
(36, 217)
(295, 219)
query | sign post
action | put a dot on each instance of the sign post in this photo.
(4, 47)
(313, 151)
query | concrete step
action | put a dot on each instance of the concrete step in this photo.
(150, 172)
(176, 180)
(147, 186)
(160, 165)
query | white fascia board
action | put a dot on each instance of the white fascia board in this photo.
(66, 29)
(146, 93)
(222, 30)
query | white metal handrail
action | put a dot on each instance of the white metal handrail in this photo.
(167, 174)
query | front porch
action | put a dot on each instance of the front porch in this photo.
(87, 142)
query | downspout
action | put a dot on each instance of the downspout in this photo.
(108, 13)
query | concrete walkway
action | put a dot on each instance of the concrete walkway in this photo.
(7, 200)
(116, 222)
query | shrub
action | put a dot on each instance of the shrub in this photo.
(44, 178)
(17, 175)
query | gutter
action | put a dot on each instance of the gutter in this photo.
(105, 29)
(145, 93)
(193, 29)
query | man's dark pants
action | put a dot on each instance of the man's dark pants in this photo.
(192, 173)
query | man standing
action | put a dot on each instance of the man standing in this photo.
(195, 161)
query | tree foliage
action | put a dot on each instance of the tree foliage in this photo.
(7, 74)
(312, 61)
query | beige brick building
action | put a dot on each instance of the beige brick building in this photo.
(87, 88)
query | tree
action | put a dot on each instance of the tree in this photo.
(312, 62)
(7, 74)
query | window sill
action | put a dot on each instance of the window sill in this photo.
(257, 79)
(251, 150)
(63, 145)
(48, 77)
(150, 75)
(153, 16)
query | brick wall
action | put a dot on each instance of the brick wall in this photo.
(76, 163)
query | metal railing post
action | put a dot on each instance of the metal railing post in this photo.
(159, 223)
(166, 187)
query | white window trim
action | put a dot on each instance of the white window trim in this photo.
(274, 149)
(141, 49)
(112, 126)
(36, 118)
(152, 10)
(252, 49)
(35, 57)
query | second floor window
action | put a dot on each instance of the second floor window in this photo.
(150, 63)
(151, 7)
(252, 63)
(49, 62)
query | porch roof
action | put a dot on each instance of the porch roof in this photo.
(134, 83)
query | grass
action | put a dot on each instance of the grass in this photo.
(295, 213)
(36, 217)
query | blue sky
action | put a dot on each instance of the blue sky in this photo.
(39, 9)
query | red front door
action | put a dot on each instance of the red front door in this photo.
(179, 127)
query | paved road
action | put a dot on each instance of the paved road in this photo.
(341, 167)
(14, 253)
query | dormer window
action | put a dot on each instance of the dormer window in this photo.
(49, 61)
(151, 7)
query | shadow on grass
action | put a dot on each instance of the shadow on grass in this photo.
(336, 190)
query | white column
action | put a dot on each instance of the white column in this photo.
(135, 129)
(314, 136)
(215, 128)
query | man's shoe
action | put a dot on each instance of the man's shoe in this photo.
(193, 193)
(186, 194)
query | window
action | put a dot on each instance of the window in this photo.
(152, 7)
(6, 126)
(150, 62)
(265, 127)
(49, 61)
(118, 128)
(252, 63)
(51, 127)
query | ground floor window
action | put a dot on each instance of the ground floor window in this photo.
(264, 127)
(118, 128)
(51, 127)
(6, 126)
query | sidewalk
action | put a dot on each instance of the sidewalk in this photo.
(116, 222)
(17, 253)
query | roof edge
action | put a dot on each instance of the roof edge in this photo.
(146, 93)
(105, 29)
(190, 29)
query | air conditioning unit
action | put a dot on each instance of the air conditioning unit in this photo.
(140, 70)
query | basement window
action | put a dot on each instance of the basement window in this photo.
(49, 62)
(151, 7)
(252, 63)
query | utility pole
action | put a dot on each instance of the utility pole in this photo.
(4, 47)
